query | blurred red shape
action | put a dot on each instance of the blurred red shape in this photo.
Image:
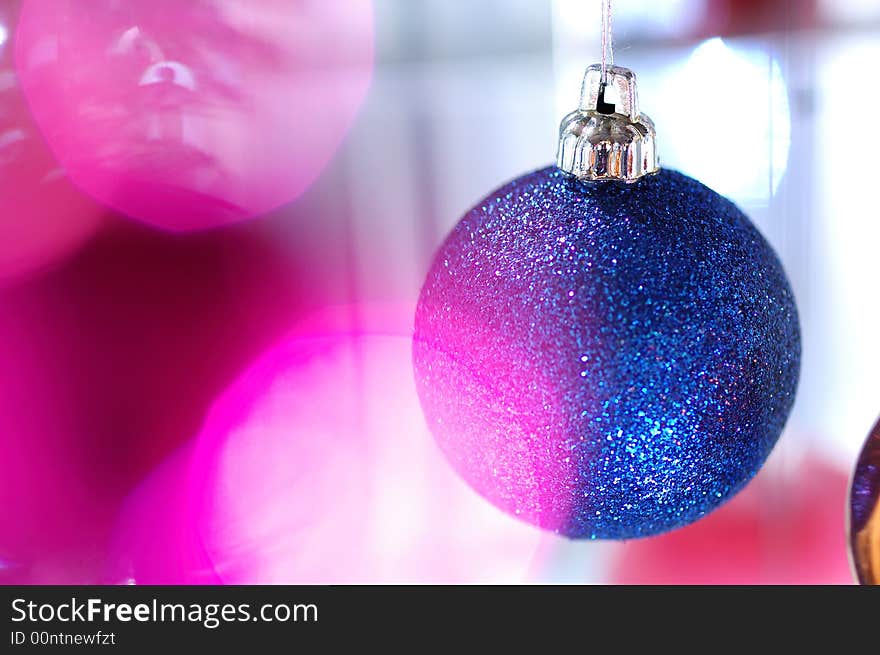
(786, 527)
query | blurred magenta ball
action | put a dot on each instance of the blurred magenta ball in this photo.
(189, 115)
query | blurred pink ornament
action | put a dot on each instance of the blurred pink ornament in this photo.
(189, 115)
(43, 217)
(786, 527)
(316, 467)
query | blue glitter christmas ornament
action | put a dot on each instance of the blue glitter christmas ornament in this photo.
(600, 358)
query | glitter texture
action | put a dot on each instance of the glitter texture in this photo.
(864, 519)
(606, 360)
(865, 491)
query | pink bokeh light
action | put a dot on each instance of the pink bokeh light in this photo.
(154, 541)
(189, 115)
(316, 467)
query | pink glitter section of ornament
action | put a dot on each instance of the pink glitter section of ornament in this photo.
(507, 461)
(189, 115)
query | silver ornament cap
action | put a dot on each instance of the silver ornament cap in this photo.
(606, 137)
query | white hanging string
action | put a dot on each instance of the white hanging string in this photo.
(607, 44)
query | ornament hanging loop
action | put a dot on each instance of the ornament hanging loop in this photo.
(607, 42)
(607, 137)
